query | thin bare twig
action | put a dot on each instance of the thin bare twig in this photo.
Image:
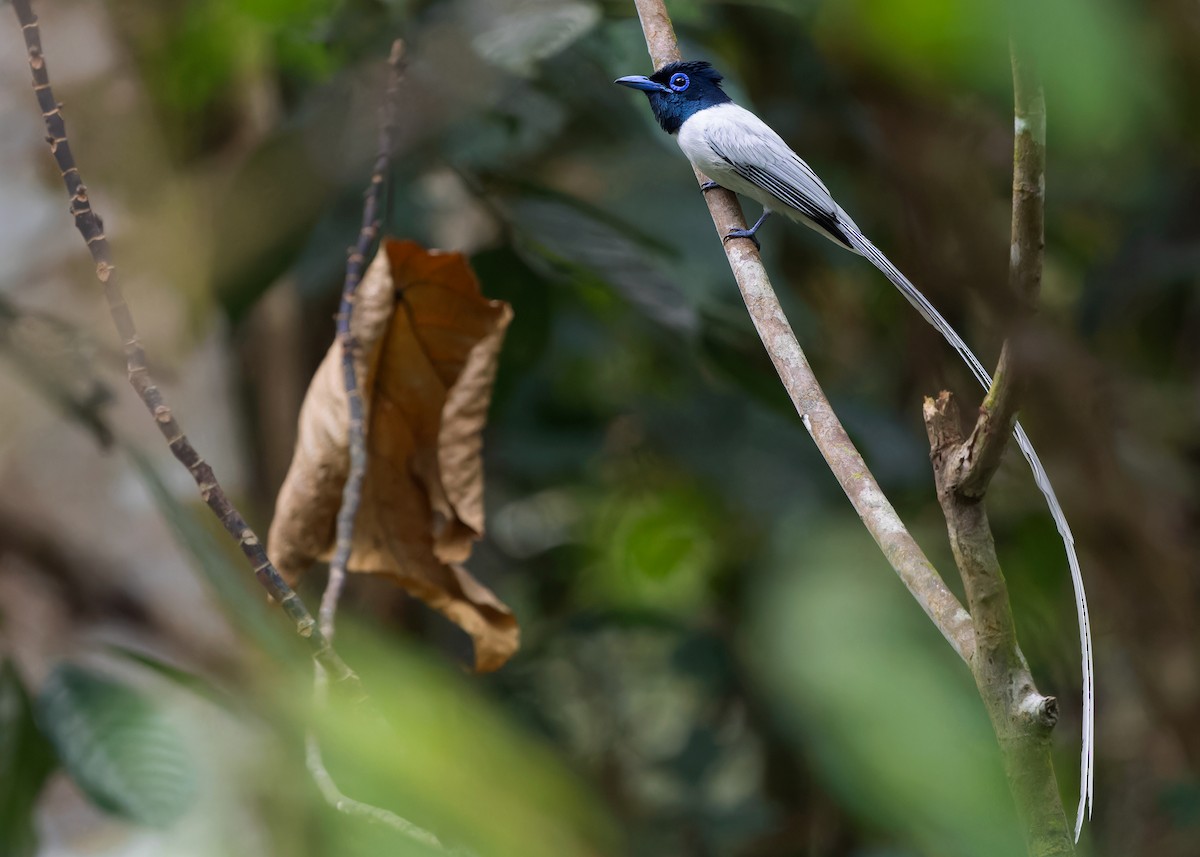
(844, 460)
(90, 227)
(352, 490)
(355, 262)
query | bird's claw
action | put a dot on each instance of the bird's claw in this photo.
(743, 233)
(709, 185)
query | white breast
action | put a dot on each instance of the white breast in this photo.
(716, 123)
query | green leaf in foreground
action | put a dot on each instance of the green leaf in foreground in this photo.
(443, 757)
(117, 746)
(26, 760)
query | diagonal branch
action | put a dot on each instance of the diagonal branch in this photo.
(880, 518)
(986, 639)
(91, 228)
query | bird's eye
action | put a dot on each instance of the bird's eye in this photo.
(679, 82)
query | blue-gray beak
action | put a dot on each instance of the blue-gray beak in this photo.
(640, 81)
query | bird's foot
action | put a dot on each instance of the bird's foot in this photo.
(743, 233)
(709, 185)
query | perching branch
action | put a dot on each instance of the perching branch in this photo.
(986, 638)
(90, 227)
(1021, 716)
(844, 460)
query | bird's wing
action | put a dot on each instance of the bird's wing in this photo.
(759, 156)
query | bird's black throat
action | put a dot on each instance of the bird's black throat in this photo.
(672, 109)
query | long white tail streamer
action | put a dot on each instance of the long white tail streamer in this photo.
(931, 315)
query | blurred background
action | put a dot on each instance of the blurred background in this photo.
(716, 659)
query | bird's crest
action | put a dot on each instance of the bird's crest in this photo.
(692, 68)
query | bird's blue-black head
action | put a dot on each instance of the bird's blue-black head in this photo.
(678, 90)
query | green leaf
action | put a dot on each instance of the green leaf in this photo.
(889, 719)
(26, 760)
(117, 746)
(446, 759)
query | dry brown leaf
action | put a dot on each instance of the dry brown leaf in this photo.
(430, 342)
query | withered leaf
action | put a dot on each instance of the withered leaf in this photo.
(430, 343)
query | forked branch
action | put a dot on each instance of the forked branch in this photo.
(1021, 717)
(963, 467)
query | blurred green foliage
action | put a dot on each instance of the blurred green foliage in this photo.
(1099, 71)
(716, 660)
(117, 746)
(26, 762)
(870, 689)
(453, 764)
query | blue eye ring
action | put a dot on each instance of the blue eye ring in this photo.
(679, 82)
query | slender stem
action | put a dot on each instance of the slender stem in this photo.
(352, 491)
(844, 460)
(999, 410)
(92, 229)
(355, 263)
(1029, 179)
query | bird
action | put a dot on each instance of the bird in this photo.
(736, 150)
